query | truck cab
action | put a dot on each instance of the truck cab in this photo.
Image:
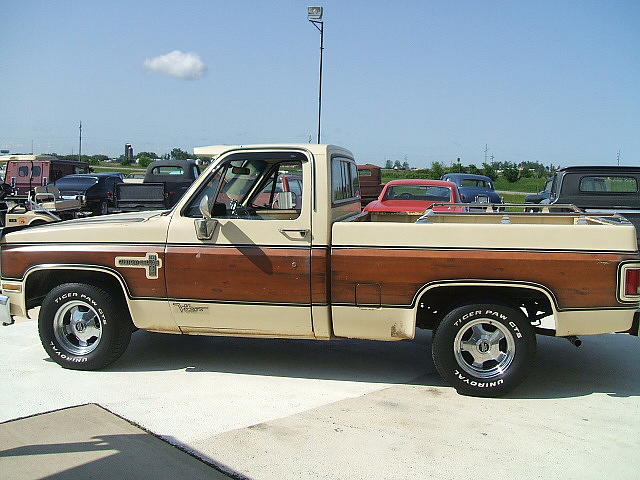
(25, 172)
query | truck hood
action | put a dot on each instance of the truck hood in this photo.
(134, 227)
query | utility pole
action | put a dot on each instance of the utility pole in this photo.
(32, 147)
(486, 151)
(80, 144)
(618, 156)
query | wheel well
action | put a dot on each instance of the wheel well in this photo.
(41, 282)
(436, 302)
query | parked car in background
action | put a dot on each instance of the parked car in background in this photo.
(96, 190)
(25, 172)
(474, 188)
(164, 184)
(416, 195)
(370, 182)
(541, 195)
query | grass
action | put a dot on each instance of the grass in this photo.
(513, 198)
(530, 185)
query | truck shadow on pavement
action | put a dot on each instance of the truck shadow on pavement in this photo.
(604, 364)
(97, 445)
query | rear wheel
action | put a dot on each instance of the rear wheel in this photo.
(82, 327)
(484, 350)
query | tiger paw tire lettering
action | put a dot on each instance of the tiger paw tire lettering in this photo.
(83, 327)
(484, 350)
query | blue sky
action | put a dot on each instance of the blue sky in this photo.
(548, 81)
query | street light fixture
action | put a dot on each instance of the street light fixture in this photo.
(314, 15)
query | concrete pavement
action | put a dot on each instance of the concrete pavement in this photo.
(89, 442)
(351, 409)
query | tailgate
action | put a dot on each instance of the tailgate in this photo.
(140, 195)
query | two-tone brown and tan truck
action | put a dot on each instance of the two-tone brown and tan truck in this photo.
(237, 257)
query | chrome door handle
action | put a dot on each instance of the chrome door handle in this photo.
(287, 231)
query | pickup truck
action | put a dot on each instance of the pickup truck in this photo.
(603, 189)
(219, 263)
(164, 183)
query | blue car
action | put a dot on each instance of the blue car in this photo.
(474, 188)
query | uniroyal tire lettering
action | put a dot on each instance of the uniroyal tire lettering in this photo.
(66, 357)
(474, 383)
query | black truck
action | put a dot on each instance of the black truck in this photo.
(604, 189)
(163, 185)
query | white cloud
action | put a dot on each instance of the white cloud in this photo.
(179, 64)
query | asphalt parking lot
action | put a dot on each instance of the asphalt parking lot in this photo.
(272, 409)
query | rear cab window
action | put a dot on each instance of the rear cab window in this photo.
(608, 184)
(168, 170)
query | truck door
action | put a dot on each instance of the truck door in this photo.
(252, 276)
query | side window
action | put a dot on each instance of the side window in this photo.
(249, 189)
(355, 180)
(79, 169)
(36, 171)
(345, 184)
(23, 171)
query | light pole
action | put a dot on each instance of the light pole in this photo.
(314, 15)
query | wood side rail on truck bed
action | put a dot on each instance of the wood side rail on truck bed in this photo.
(239, 255)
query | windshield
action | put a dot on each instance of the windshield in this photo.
(428, 193)
(71, 181)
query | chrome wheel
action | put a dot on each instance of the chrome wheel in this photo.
(77, 327)
(484, 348)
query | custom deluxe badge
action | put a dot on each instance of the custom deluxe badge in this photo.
(150, 262)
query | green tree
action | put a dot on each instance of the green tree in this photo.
(388, 164)
(473, 169)
(124, 160)
(151, 155)
(511, 174)
(144, 162)
(526, 173)
(405, 166)
(397, 165)
(489, 171)
(437, 170)
(179, 154)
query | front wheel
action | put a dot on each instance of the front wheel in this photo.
(102, 208)
(82, 327)
(484, 350)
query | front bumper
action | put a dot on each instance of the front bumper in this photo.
(5, 313)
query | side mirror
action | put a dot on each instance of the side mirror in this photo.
(286, 200)
(206, 225)
(204, 207)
